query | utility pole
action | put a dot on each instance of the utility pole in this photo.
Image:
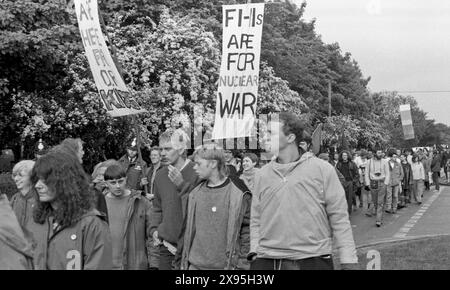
(329, 98)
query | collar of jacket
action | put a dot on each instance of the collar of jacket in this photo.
(91, 212)
(293, 165)
(29, 194)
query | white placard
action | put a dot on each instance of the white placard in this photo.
(239, 72)
(113, 93)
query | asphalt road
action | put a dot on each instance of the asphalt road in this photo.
(430, 218)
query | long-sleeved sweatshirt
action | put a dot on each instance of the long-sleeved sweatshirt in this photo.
(296, 210)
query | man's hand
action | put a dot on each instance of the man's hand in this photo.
(149, 196)
(144, 181)
(354, 266)
(156, 240)
(175, 176)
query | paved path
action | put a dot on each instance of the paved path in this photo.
(430, 218)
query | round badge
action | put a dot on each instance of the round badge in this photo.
(214, 209)
(73, 237)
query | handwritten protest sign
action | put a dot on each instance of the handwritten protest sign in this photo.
(239, 72)
(114, 94)
(405, 114)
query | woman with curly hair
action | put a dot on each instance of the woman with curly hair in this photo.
(75, 235)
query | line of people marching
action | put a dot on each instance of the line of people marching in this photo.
(388, 181)
(200, 212)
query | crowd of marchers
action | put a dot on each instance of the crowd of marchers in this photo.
(386, 181)
(205, 211)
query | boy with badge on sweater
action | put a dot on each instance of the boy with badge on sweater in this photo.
(216, 232)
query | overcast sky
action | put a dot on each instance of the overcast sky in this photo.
(404, 45)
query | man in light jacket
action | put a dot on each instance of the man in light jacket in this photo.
(395, 179)
(298, 207)
(378, 177)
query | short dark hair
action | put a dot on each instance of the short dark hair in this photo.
(292, 125)
(114, 171)
(391, 152)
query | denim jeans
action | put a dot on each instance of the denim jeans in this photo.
(348, 187)
(417, 190)
(314, 263)
(404, 196)
(392, 197)
(367, 202)
(378, 196)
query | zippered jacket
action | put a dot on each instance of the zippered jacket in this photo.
(85, 245)
(297, 214)
(138, 251)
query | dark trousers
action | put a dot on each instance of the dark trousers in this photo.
(165, 258)
(315, 263)
(357, 194)
(436, 179)
(427, 183)
(404, 196)
(348, 187)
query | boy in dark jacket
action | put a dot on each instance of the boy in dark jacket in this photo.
(216, 234)
(129, 223)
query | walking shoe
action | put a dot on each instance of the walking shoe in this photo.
(419, 203)
(368, 214)
(378, 224)
(388, 211)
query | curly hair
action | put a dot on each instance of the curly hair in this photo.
(63, 175)
(349, 156)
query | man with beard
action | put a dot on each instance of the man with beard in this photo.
(378, 178)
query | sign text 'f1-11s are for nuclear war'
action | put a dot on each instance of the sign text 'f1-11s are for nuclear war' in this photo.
(239, 71)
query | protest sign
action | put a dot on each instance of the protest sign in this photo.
(408, 129)
(113, 93)
(239, 72)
